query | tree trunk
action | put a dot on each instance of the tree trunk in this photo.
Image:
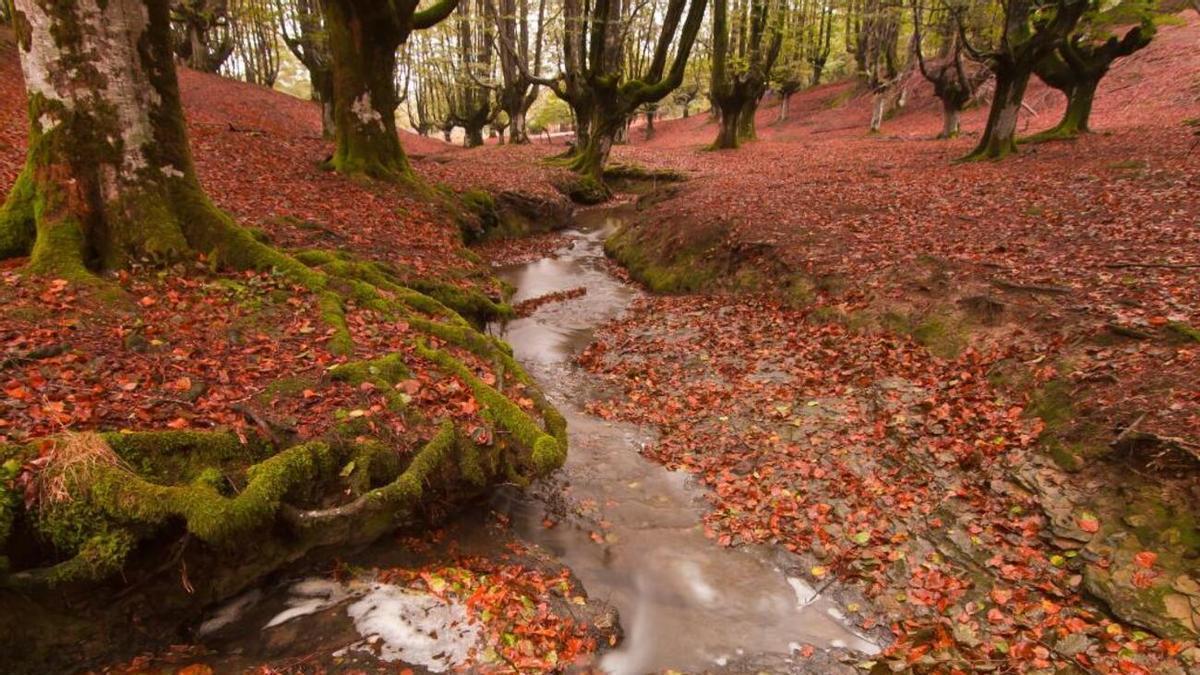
(727, 130)
(518, 132)
(474, 136)
(784, 104)
(878, 104)
(747, 128)
(592, 152)
(108, 178)
(999, 136)
(363, 40)
(649, 124)
(1079, 108)
(322, 86)
(950, 115)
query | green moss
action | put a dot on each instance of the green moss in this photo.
(583, 189)
(941, 336)
(1183, 332)
(549, 446)
(1053, 405)
(467, 302)
(17, 228)
(386, 370)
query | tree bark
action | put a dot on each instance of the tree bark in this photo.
(728, 125)
(109, 177)
(363, 38)
(747, 127)
(878, 103)
(950, 114)
(1000, 136)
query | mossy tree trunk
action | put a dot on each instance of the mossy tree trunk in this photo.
(1000, 135)
(747, 119)
(1076, 68)
(727, 126)
(602, 96)
(109, 177)
(1030, 34)
(950, 116)
(363, 38)
(743, 57)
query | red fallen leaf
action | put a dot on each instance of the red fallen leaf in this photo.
(410, 387)
(308, 393)
(147, 301)
(1145, 559)
(994, 615)
(178, 423)
(18, 392)
(1001, 595)
(1089, 524)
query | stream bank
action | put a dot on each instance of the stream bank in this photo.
(629, 530)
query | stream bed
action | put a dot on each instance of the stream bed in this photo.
(628, 528)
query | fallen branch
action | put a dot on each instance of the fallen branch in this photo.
(38, 354)
(1169, 266)
(1031, 288)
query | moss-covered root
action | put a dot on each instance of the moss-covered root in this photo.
(95, 507)
(548, 447)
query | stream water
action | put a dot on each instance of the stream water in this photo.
(628, 528)
(685, 602)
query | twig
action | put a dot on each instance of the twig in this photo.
(1169, 266)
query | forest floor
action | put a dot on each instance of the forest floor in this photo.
(969, 390)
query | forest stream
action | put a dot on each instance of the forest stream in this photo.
(629, 529)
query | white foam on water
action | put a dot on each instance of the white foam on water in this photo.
(805, 594)
(229, 612)
(418, 628)
(309, 597)
(703, 591)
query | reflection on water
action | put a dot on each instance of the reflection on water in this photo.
(685, 602)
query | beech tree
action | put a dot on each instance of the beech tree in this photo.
(302, 28)
(601, 92)
(745, 47)
(469, 54)
(109, 178)
(203, 36)
(1030, 30)
(1078, 65)
(363, 38)
(518, 91)
(954, 80)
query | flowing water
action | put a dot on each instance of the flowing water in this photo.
(628, 528)
(685, 602)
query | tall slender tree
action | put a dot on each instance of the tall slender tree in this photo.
(302, 28)
(518, 91)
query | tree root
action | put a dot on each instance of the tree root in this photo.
(184, 480)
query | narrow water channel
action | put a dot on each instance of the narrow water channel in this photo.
(685, 603)
(627, 527)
